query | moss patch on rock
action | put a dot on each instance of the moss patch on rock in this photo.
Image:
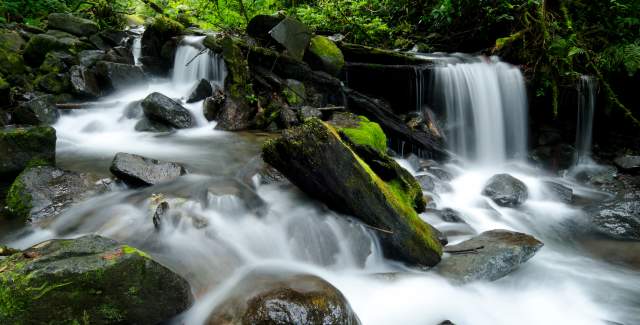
(326, 54)
(366, 133)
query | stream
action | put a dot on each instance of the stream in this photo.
(214, 245)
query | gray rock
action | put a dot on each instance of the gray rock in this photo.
(293, 35)
(84, 82)
(72, 24)
(488, 256)
(54, 83)
(628, 163)
(44, 192)
(21, 145)
(41, 44)
(560, 192)
(137, 170)
(88, 58)
(213, 105)
(147, 125)
(235, 115)
(447, 214)
(93, 279)
(307, 112)
(119, 54)
(161, 108)
(506, 190)
(119, 76)
(288, 118)
(41, 110)
(619, 219)
(133, 110)
(202, 90)
(262, 298)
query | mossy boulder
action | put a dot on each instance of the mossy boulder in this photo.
(314, 157)
(21, 145)
(11, 44)
(294, 92)
(72, 24)
(53, 83)
(88, 280)
(158, 32)
(41, 192)
(359, 130)
(284, 298)
(325, 55)
(40, 110)
(41, 44)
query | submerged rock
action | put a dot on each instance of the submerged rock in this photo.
(284, 299)
(560, 192)
(91, 280)
(40, 110)
(372, 187)
(44, 192)
(506, 190)
(202, 90)
(628, 163)
(20, 146)
(488, 256)
(147, 125)
(619, 219)
(137, 170)
(72, 24)
(163, 109)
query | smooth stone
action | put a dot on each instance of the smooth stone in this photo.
(84, 82)
(163, 109)
(72, 24)
(20, 145)
(137, 170)
(618, 219)
(506, 190)
(38, 111)
(202, 90)
(628, 163)
(119, 76)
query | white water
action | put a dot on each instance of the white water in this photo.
(194, 62)
(560, 285)
(485, 102)
(584, 125)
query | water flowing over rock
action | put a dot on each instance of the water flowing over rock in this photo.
(488, 256)
(284, 299)
(72, 24)
(44, 192)
(506, 190)
(90, 279)
(137, 170)
(20, 145)
(165, 110)
(619, 219)
(119, 76)
(315, 158)
(560, 192)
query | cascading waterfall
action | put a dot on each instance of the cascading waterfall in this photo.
(584, 126)
(486, 109)
(194, 62)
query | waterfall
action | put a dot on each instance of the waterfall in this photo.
(194, 62)
(584, 126)
(420, 88)
(485, 103)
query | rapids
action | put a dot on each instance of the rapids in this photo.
(562, 284)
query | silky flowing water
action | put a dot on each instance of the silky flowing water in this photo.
(213, 245)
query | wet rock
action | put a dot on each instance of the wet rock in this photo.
(618, 219)
(57, 61)
(307, 112)
(293, 35)
(488, 256)
(557, 157)
(54, 83)
(119, 54)
(249, 199)
(506, 190)
(427, 182)
(11, 62)
(294, 92)
(20, 145)
(628, 163)
(84, 82)
(161, 108)
(447, 214)
(72, 24)
(323, 54)
(133, 110)
(235, 115)
(160, 213)
(41, 110)
(41, 44)
(137, 170)
(203, 90)
(270, 175)
(147, 125)
(284, 299)
(89, 58)
(370, 185)
(260, 25)
(288, 118)
(119, 76)
(213, 105)
(44, 192)
(90, 279)
(560, 192)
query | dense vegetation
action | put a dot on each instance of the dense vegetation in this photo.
(554, 41)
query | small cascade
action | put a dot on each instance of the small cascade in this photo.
(420, 88)
(136, 46)
(584, 126)
(194, 62)
(485, 103)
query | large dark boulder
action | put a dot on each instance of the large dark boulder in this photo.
(628, 163)
(72, 24)
(89, 280)
(119, 76)
(370, 186)
(202, 90)
(119, 54)
(41, 44)
(53, 83)
(11, 62)
(163, 109)
(89, 58)
(20, 145)
(293, 35)
(488, 256)
(147, 125)
(213, 105)
(84, 82)
(137, 170)
(44, 192)
(506, 190)
(260, 25)
(40, 110)
(262, 298)
(618, 219)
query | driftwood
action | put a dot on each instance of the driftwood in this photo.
(86, 105)
(465, 251)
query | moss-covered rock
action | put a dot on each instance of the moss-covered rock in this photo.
(72, 24)
(359, 130)
(294, 92)
(325, 55)
(53, 83)
(20, 145)
(316, 159)
(41, 44)
(10, 46)
(40, 110)
(284, 298)
(89, 280)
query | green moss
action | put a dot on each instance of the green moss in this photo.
(111, 313)
(18, 200)
(328, 53)
(132, 250)
(164, 25)
(4, 84)
(367, 133)
(11, 63)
